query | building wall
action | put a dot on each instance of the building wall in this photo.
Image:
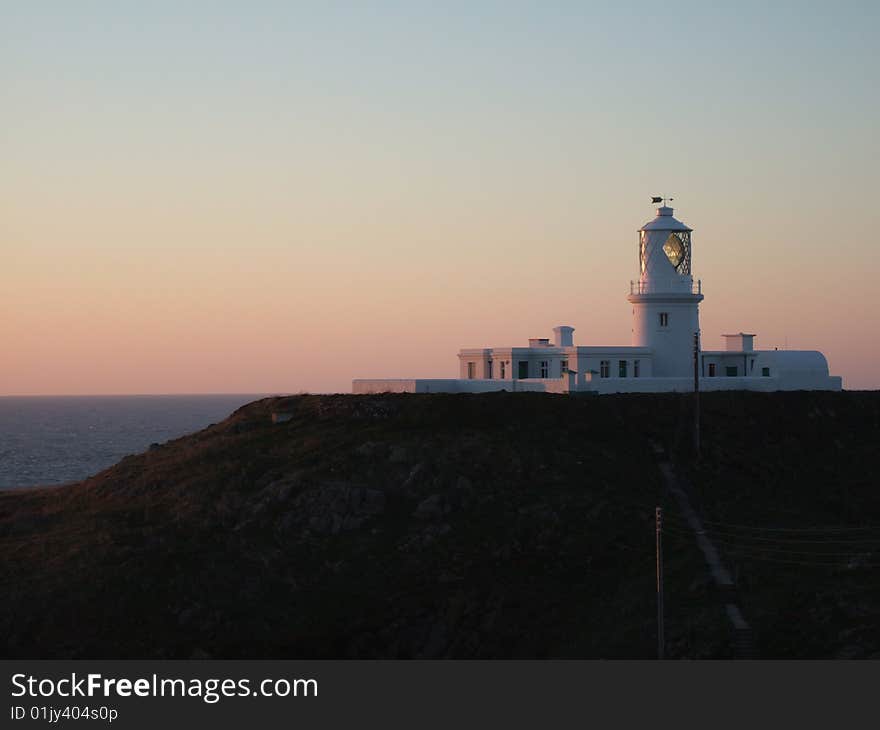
(588, 362)
(800, 381)
(512, 356)
(794, 369)
(686, 385)
(578, 359)
(673, 345)
(481, 359)
(744, 362)
(423, 385)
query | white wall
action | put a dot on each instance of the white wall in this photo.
(513, 356)
(802, 381)
(672, 346)
(419, 385)
(686, 385)
(742, 361)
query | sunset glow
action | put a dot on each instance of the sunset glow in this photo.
(268, 198)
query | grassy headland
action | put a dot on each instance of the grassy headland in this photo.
(492, 526)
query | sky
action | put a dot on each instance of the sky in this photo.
(282, 196)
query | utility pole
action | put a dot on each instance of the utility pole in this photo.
(661, 641)
(697, 394)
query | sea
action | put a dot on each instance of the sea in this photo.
(48, 440)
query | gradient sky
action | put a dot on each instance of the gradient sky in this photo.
(281, 196)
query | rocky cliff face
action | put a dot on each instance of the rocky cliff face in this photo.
(497, 525)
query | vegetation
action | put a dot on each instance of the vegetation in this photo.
(498, 525)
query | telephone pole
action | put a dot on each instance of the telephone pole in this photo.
(661, 641)
(697, 394)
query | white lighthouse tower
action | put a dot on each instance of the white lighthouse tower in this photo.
(665, 299)
(666, 317)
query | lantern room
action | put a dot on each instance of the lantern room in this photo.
(665, 254)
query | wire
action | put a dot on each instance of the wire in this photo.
(779, 555)
(751, 554)
(726, 526)
(827, 529)
(836, 565)
(773, 540)
(811, 553)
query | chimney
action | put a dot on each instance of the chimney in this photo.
(562, 336)
(739, 342)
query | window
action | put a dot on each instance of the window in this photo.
(489, 369)
(674, 250)
(503, 370)
(545, 368)
(752, 365)
(711, 369)
(523, 369)
(472, 370)
(765, 372)
(664, 319)
(563, 366)
(643, 251)
(636, 368)
(676, 247)
(731, 371)
(605, 369)
(621, 368)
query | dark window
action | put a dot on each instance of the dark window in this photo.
(711, 369)
(605, 369)
(489, 369)
(636, 368)
(731, 371)
(664, 319)
(472, 369)
(765, 372)
(621, 368)
(503, 369)
(563, 366)
(545, 368)
(523, 369)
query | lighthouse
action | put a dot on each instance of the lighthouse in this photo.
(665, 300)
(666, 317)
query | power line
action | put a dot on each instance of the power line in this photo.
(811, 553)
(836, 565)
(828, 529)
(776, 540)
(765, 553)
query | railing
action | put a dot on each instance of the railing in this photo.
(665, 286)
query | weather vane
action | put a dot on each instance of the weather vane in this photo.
(660, 199)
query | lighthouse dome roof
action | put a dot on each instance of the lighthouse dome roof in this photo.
(664, 221)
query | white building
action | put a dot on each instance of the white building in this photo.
(665, 308)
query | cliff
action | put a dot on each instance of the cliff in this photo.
(493, 526)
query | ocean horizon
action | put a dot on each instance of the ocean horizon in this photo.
(49, 440)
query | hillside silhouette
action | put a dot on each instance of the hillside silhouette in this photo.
(468, 526)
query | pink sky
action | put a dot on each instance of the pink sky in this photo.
(392, 296)
(288, 206)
